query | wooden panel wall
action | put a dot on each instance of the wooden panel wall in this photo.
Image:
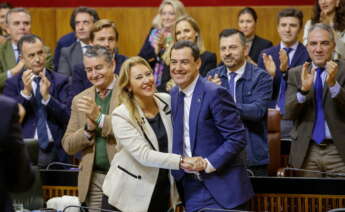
(134, 23)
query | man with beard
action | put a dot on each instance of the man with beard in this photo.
(251, 89)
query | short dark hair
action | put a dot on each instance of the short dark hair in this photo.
(291, 12)
(92, 12)
(30, 38)
(187, 44)
(230, 32)
(250, 11)
(99, 51)
(5, 5)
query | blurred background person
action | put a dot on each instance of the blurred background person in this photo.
(4, 8)
(331, 12)
(161, 37)
(247, 19)
(139, 178)
(16, 174)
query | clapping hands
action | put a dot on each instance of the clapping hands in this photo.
(193, 164)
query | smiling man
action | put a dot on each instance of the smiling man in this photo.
(89, 129)
(315, 101)
(206, 123)
(278, 59)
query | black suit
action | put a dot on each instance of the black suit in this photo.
(258, 45)
(16, 174)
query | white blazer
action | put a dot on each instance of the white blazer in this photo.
(131, 179)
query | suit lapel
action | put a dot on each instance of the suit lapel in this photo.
(50, 77)
(113, 96)
(194, 110)
(165, 113)
(10, 57)
(297, 56)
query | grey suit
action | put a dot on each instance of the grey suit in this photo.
(70, 56)
(303, 115)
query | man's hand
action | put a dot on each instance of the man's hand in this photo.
(17, 68)
(270, 66)
(284, 60)
(21, 113)
(88, 106)
(44, 86)
(214, 79)
(332, 70)
(27, 80)
(307, 77)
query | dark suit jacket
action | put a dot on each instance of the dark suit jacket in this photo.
(57, 112)
(301, 55)
(16, 174)
(216, 133)
(253, 93)
(70, 56)
(258, 45)
(304, 115)
(80, 81)
(64, 41)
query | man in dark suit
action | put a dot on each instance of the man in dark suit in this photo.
(43, 93)
(16, 174)
(251, 89)
(280, 58)
(103, 33)
(64, 41)
(315, 101)
(207, 123)
(84, 18)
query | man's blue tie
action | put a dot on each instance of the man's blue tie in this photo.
(319, 128)
(282, 90)
(232, 84)
(42, 132)
(178, 125)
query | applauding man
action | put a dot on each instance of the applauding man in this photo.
(315, 101)
(43, 93)
(206, 123)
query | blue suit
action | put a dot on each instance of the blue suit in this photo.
(57, 112)
(253, 93)
(216, 133)
(300, 56)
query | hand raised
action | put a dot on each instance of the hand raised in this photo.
(270, 66)
(332, 70)
(27, 80)
(307, 77)
(214, 79)
(284, 60)
(44, 86)
(87, 105)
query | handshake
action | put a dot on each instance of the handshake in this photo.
(193, 164)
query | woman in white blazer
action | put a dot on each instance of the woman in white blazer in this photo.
(139, 178)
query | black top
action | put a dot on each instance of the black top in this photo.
(258, 45)
(161, 195)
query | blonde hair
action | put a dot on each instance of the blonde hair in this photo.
(123, 95)
(176, 4)
(199, 41)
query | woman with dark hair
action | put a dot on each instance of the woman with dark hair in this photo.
(331, 12)
(247, 19)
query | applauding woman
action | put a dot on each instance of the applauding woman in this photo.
(139, 178)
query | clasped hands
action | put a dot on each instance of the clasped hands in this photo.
(193, 164)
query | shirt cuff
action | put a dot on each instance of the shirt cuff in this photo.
(335, 89)
(45, 102)
(300, 97)
(209, 168)
(25, 96)
(101, 122)
(9, 74)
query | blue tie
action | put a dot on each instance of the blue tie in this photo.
(282, 90)
(232, 84)
(319, 129)
(42, 133)
(178, 125)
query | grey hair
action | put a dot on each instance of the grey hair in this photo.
(99, 51)
(322, 26)
(17, 10)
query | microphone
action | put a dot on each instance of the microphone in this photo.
(87, 208)
(72, 166)
(314, 171)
